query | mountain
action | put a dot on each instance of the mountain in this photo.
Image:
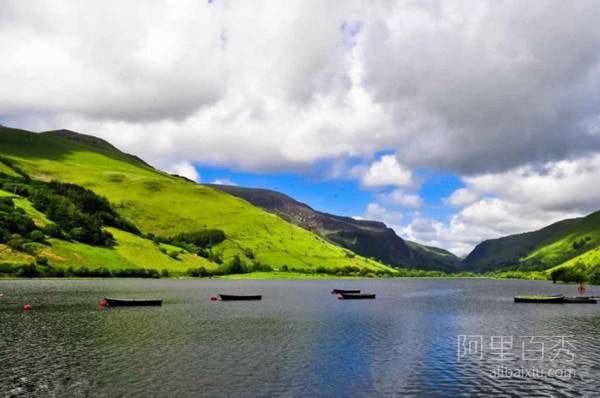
(371, 239)
(159, 204)
(564, 243)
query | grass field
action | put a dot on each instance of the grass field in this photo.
(166, 205)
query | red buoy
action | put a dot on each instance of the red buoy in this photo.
(213, 298)
(27, 307)
(581, 289)
(103, 303)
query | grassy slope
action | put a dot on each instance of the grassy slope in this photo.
(7, 170)
(130, 252)
(165, 205)
(561, 253)
(544, 250)
(509, 251)
(38, 217)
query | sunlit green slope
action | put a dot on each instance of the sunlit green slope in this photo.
(578, 244)
(131, 251)
(165, 205)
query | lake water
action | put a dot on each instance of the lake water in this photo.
(299, 341)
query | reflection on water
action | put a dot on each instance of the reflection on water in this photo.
(299, 341)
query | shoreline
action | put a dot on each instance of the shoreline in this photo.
(275, 276)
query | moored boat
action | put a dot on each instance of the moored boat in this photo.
(581, 300)
(557, 299)
(355, 296)
(116, 302)
(348, 291)
(236, 297)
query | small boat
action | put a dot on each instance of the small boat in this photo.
(114, 302)
(233, 297)
(348, 291)
(558, 299)
(581, 300)
(355, 296)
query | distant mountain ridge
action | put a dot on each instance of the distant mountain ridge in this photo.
(368, 238)
(561, 243)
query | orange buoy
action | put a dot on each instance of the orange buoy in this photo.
(27, 307)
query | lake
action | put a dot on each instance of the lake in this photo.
(420, 337)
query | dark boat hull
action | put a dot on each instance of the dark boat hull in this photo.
(355, 296)
(340, 291)
(555, 300)
(231, 297)
(580, 300)
(133, 302)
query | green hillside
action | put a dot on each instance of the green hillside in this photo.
(130, 251)
(575, 255)
(371, 239)
(162, 205)
(573, 246)
(576, 244)
(507, 253)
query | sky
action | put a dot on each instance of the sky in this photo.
(451, 121)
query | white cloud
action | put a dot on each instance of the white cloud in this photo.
(386, 171)
(185, 169)
(269, 86)
(566, 185)
(519, 200)
(224, 181)
(376, 212)
(401, 198)
(487, 218)
(462, 197)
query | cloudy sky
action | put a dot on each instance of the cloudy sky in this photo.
(452, 121)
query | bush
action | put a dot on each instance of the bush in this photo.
(201, 239)
(262, 267)
(236, 266)
(215, 257)
(53, 231)
(43, 261)
(72, 208)
(578, 244)
(9, 268)
(249, 254)
(164, 273)
(36, 236)
(28, 271)
(136, 273)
